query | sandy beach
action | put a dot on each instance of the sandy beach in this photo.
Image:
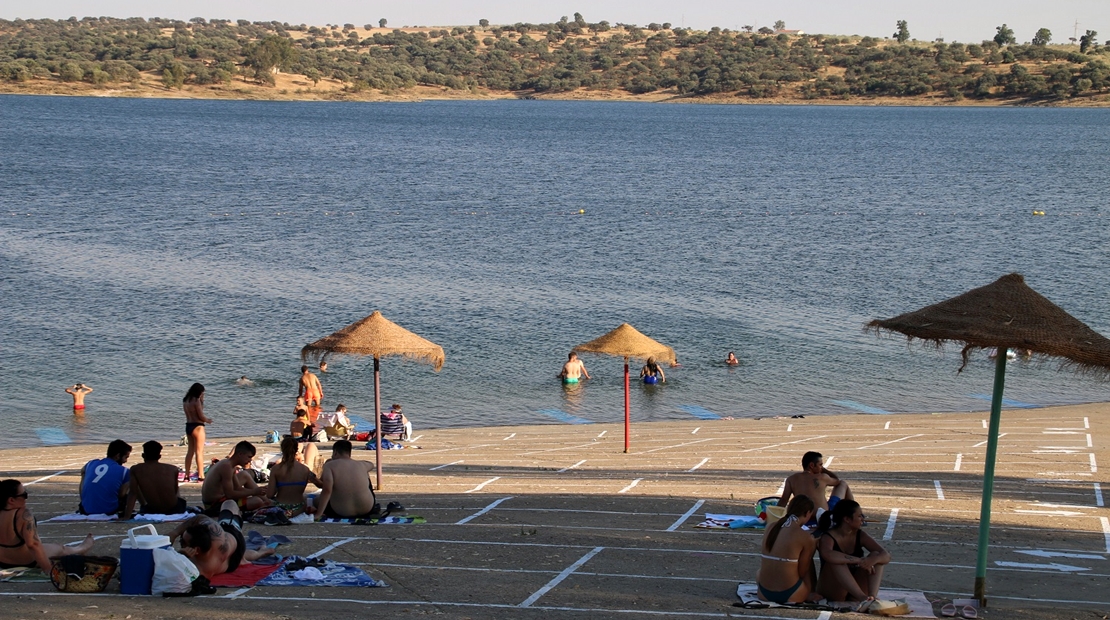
(555, 521)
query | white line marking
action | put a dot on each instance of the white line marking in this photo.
(511, 435)
(940, 492)
(782, 487)
(581, 445)
(571, 467)
(890, 442)
(238, 593)
(445, 465)
(480, 486)
(49, 477)
(959, 461)
(695, 431)
(789, 427)
(829, 461)
(602, 434)
(1094, 466)
(1089, 444)
(776, 445)
(483, 511)
(825, 615)
(674, 526)
(331, 546)
(984, 424)
(1086, 423)
(887, 426)
(1105, 529)
(688, 443)
(984, 442)
(1098, 495)
(703, 462)
(560, 577)
(889, 533)
(629, 487)
(416, 438)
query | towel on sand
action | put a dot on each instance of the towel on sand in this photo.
(376, 521)
(723, 522)
(76, 516)
(333, 575)
(920, 607)
(246, 574)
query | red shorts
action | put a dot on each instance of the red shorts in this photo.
(78, 407)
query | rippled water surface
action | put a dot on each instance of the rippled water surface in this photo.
(148, 244)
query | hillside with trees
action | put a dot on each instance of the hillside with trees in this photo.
(566, 58)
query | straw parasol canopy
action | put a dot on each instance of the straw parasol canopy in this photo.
(379, 337)
(625, 341)
(1006, 314)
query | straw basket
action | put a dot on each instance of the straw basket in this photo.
(96, 572)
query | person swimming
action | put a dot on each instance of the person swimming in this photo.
(731, 359)
(244, 381)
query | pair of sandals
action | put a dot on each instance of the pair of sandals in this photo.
(951, 611)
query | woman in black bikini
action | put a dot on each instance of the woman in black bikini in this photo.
(19, 540)
(786, 572)
(846, 573)
(193, 403)
(289, 480)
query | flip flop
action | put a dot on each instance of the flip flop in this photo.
(969, 612)
(865, 605)
(948, 611)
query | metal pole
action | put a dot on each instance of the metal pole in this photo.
(378, 422)
(627, 406)
(988, 477)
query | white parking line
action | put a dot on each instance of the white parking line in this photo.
(959, 460)
(560, 577)
(481, 486)
(695, 431)
(789, 427)
(571, 467)
(889, 533)
(940, 492)
(602, 434)
(416, 438)
(1089, 444)
(703, 462)
(483, 511)
(885, 443)
(984, 424)
(1098, 495)
(511, 435)
(1105, 530)
(984, 442)
(49, 477)
(1094, 466)
(829, 461)
(674, 526)
(776, 445)
(688, 443)
(1086, 423)
(629, 487)
(332, 546)
(445, 465)
(886, 427)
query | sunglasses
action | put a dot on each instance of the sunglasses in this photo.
(23, 495)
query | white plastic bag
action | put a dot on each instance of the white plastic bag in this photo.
(173, 572)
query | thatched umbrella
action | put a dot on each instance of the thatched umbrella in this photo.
(378, 336)
(1003, 315)
(626, 342)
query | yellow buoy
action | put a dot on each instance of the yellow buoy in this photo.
(580, 211)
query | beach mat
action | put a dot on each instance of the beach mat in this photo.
(23, 575)
(246, 574)
(726, 522)
(405, 520)
(76, 516)
(920, 607)
(334, 575)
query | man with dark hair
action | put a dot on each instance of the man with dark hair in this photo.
(309, 388)
(153, 485)
(105, 482)
(216, 546)
(346, 493)
(812, 482)
(221, 485)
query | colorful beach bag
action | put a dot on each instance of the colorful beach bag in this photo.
(83, 574)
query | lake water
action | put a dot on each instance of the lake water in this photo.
(148, 244)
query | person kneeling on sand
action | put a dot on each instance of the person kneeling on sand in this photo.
(846, 573)
(216, 546)
(19, 541)
(153, 485)
(221, 485)
(347, 491)
(812, 482)
(786, 571)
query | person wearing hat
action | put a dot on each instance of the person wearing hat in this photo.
(154, 485)
(393, 422)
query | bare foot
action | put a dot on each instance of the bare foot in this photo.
(83, 547)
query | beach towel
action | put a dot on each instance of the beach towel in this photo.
(333, 574)
(376, 521)
(247, 574)
(920, 607)
(76, 516)
(22, 574)
(722, 522)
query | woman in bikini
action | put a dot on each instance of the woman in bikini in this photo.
(786, 572)
(19, 540)
(193, 403)
(846, 573)
(289, 479)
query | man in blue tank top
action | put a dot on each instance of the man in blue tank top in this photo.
(105, 482)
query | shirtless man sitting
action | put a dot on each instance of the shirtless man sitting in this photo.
(347, 493)
(573, 369)
(153, 485)
(812, 482)
(221, 485)
(216, 546)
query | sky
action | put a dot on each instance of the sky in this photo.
(954, 20)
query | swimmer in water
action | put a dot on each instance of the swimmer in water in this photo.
(323, 366)
(573, 369)
(244, 381)
(78, 392)
(731, 359)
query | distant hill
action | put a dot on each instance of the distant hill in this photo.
(565, 59)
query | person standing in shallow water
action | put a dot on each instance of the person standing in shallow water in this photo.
(193, 403)
(309, 388)
(573, 369)
(78, 392)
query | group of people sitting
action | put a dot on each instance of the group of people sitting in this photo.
(852, 562)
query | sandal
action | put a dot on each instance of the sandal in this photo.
(969, 612)
(865, 605)
(948, 611)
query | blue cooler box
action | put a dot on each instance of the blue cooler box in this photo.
(136, 559)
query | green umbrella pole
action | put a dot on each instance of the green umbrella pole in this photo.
(988, 477)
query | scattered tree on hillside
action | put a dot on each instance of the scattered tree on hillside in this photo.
(765, 30)
(780, 25)
(903, 33)
(1087, 41)
(484, 23)
(1004, 35)
(382, 22)
(1043, 36)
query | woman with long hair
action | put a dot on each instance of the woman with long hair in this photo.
(289, 479)
(786, 572)
(19, 541)
(193, 403)
(846, 572)
(652, 372)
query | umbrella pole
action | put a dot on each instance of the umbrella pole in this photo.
(378, 422)
(988, 477)
(627, 407)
